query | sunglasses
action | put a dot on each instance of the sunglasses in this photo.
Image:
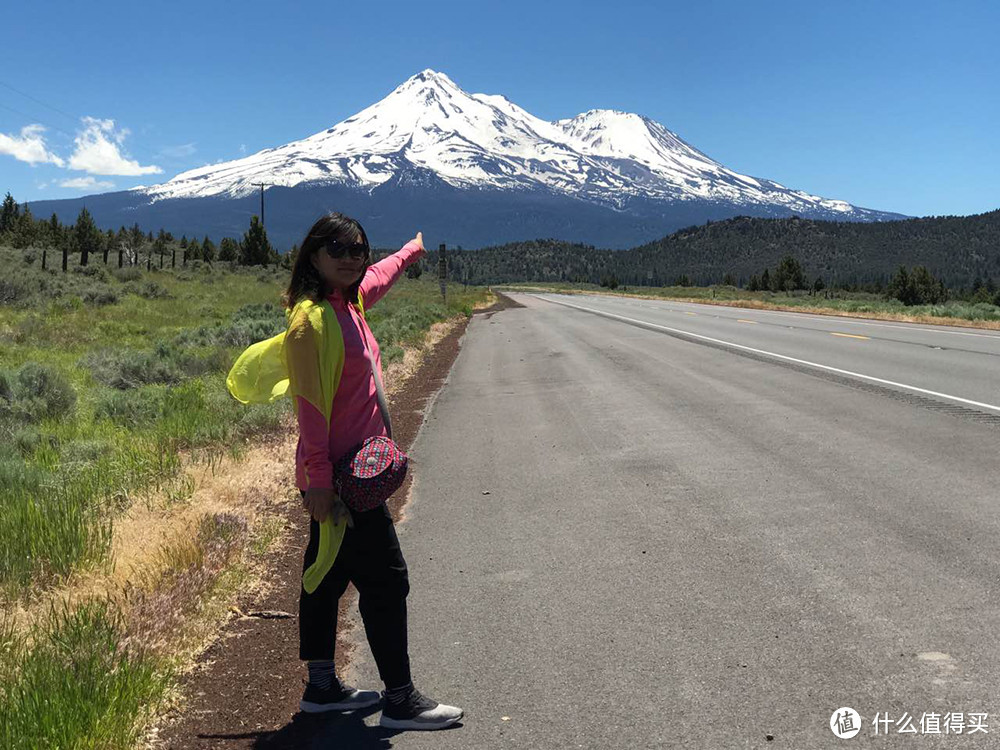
(338, 249)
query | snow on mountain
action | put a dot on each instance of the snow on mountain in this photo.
(487, 141)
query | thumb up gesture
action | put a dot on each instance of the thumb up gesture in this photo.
(419, 239)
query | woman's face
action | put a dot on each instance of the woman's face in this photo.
(339, 273)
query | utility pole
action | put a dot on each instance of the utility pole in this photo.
(261, 185)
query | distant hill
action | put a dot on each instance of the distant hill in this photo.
(956, 249)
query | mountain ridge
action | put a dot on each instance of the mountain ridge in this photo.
(640, 179)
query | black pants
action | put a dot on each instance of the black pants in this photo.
(370, 558)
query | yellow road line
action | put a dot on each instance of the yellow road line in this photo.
(849, 336)
(690, 313)
(740, 320)
(656, 327)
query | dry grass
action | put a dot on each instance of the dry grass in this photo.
(397, 373)
(160, 546)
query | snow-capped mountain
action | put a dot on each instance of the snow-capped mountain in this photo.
(487, 141)
(468, 169)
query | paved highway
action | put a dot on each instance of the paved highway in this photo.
(653, 524)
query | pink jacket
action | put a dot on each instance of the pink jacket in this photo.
(355, 414)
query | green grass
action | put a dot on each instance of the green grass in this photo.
(74, 683)
(131, 384)
(142, 389)
(838, 301)
(106, 379)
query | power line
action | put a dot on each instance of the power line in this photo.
(149, 153)
(39, 121)
(39, 101)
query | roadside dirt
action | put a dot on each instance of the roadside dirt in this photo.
(245, 689)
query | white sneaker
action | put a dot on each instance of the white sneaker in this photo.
(418, 712)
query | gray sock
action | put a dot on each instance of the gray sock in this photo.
(395, 696)
(323, 674)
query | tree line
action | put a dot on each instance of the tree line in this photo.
(128, 246)
(918, 261)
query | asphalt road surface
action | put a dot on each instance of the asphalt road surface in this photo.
(640, 524)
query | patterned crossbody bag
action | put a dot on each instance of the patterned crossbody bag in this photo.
(370, 472)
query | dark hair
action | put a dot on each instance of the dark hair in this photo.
(306, 283)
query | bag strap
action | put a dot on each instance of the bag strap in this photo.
(378, 390)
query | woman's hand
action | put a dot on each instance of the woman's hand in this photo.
(323, 502)
(419, 239)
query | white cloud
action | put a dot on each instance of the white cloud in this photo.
(243, 149)
(97, 151)
(86, 183)
(29, 146)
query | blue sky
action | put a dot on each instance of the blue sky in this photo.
(887, 105)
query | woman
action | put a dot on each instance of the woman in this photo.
(333, 266)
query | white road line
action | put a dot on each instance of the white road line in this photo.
(847, 319)
(647, 324)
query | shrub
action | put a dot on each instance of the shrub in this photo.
(152, 290)
(13, 290)
(128, 368)
(26, 440)
(134, 408)
(66, 303)
(249, 324)
(31, 328)
(101, 295)
(35, 392)
(128, 273)
(83, 451)
(93, 271)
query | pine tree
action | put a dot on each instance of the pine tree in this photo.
(8, 214)
(26, 229)
(86, 236)
(901, 287)
(207, 250)
(789, 275)
(228, 249)
(255, 250)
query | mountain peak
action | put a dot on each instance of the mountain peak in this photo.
(485, 141)
(428, 74)
(428, 78)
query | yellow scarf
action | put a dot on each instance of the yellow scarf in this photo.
(306, 360)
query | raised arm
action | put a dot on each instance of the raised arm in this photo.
(382, 275)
